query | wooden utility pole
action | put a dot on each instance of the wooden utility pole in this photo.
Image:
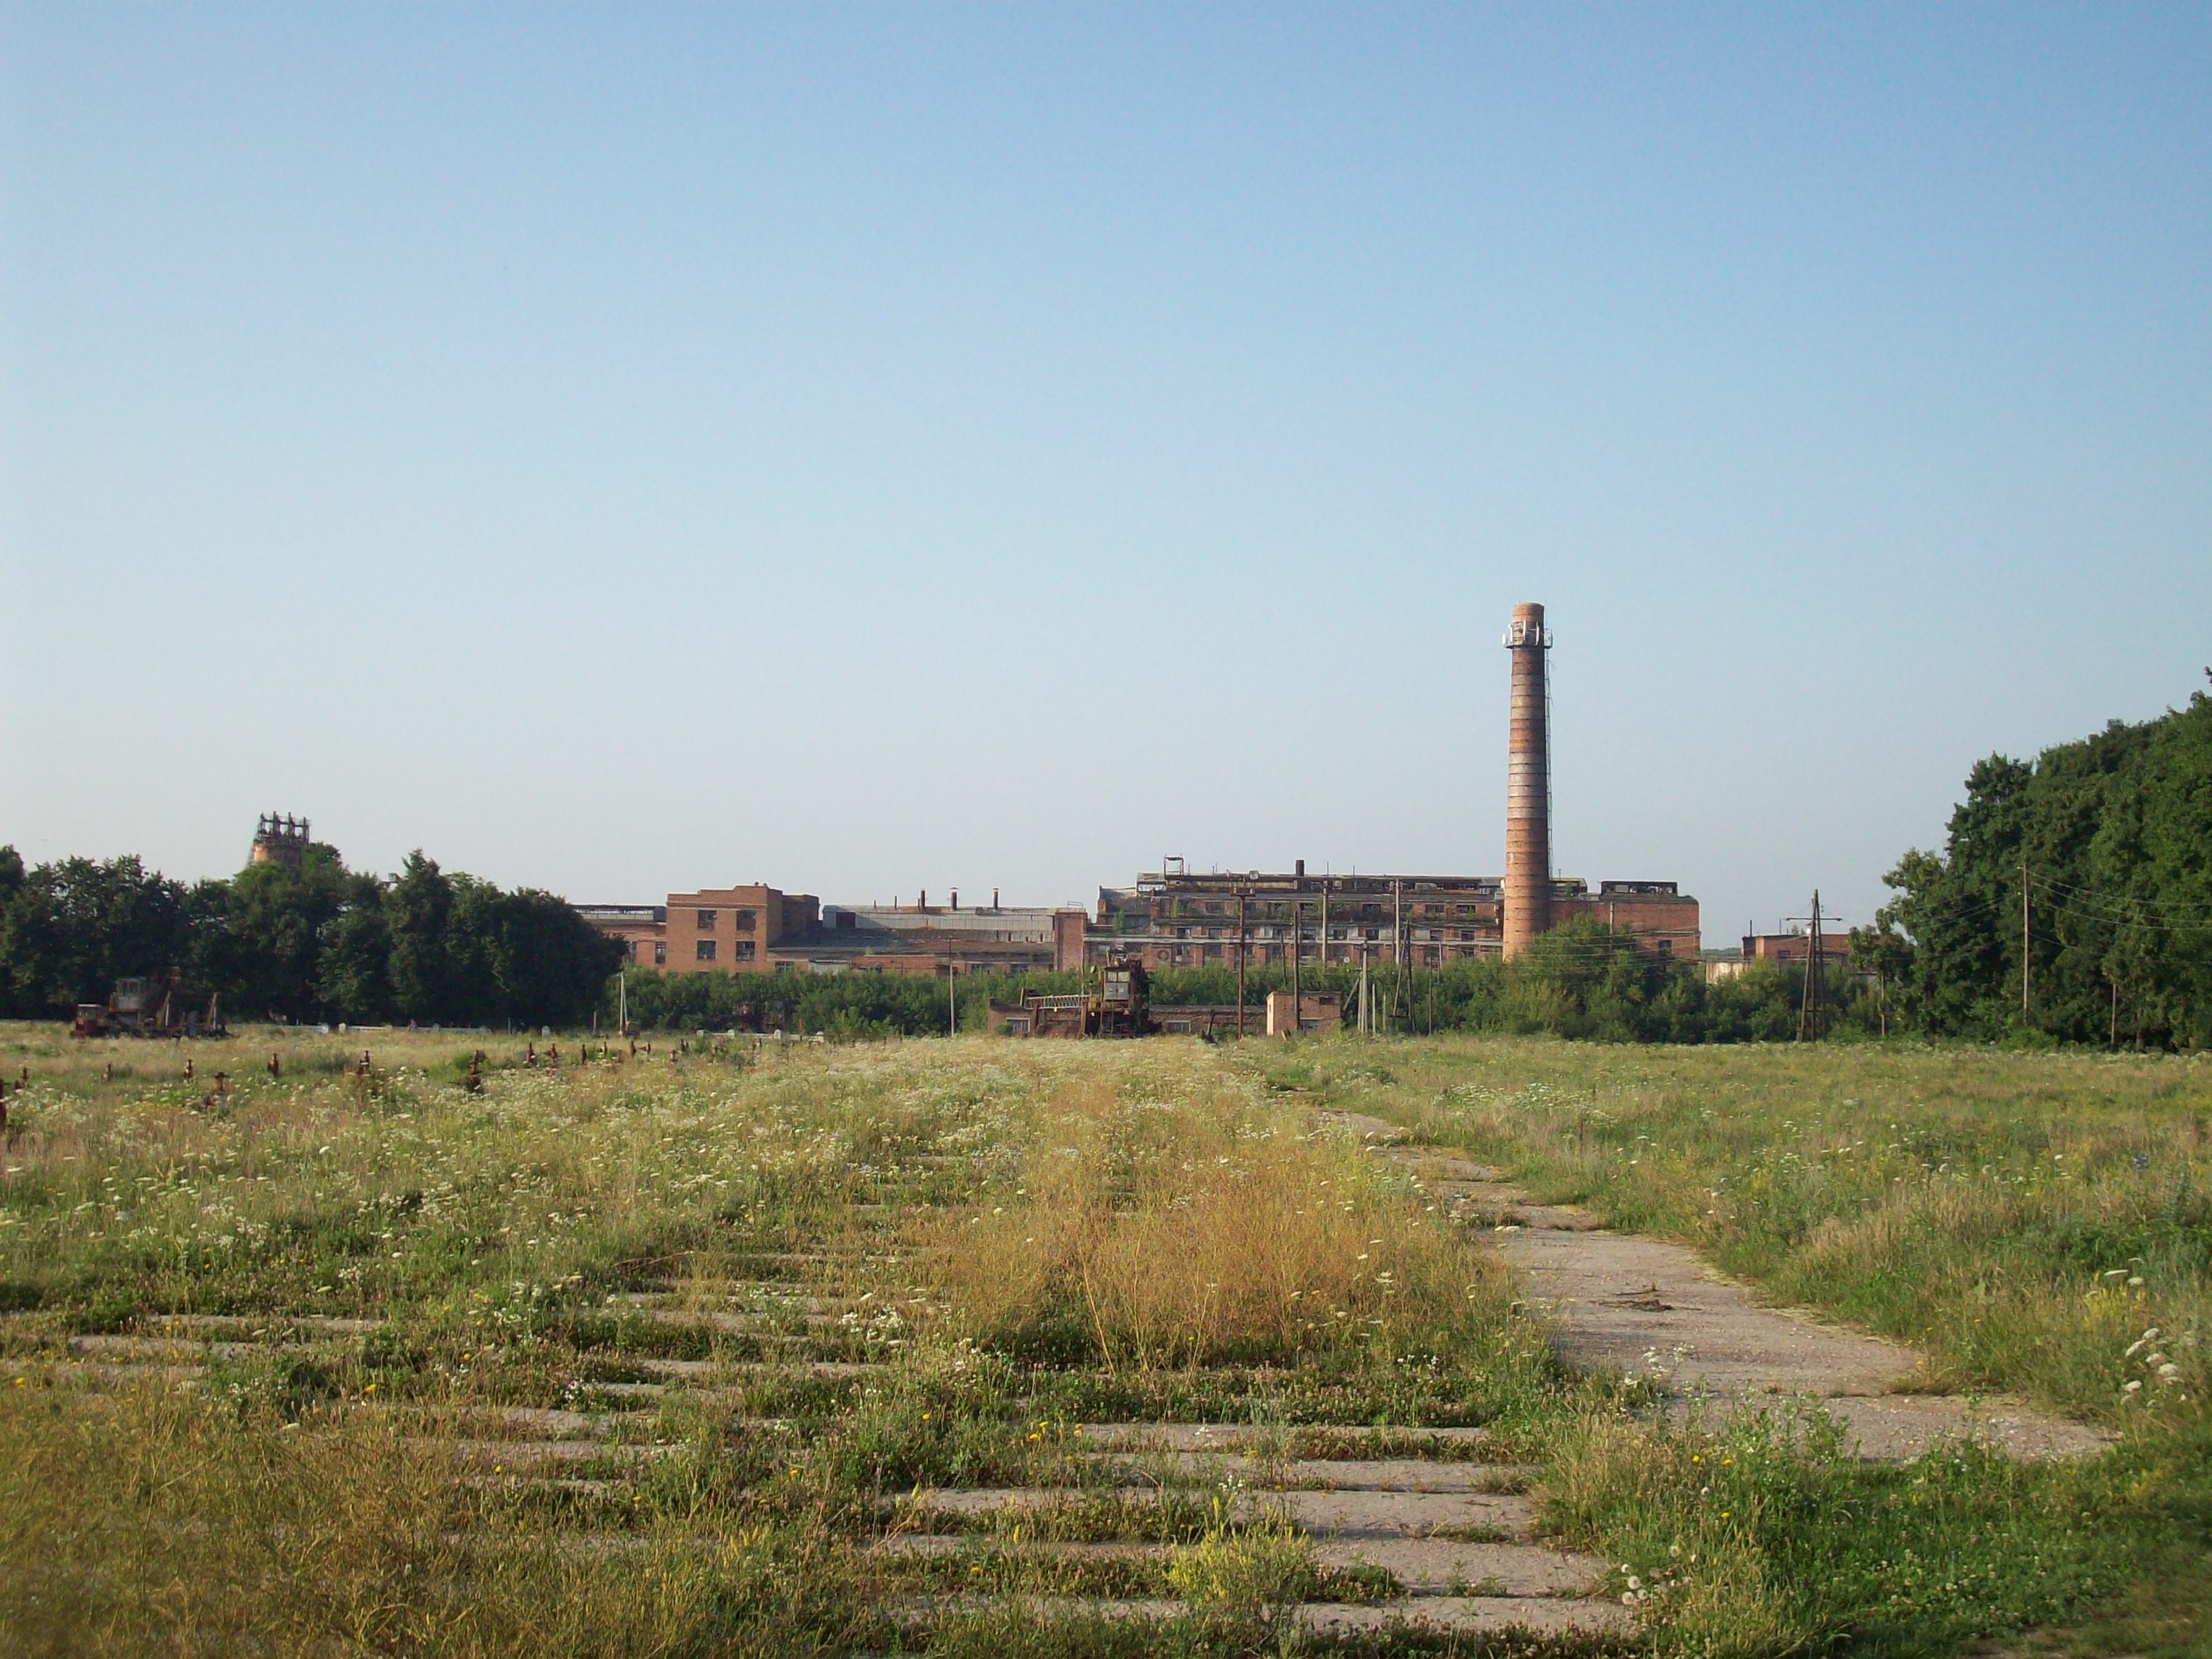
(952, 998)
(2024, 940)
(1366, 1014)
(1298, 955)
(1240, 962)
(1324, 922)
(1808, 1005)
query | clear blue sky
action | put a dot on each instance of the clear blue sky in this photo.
(866, 448)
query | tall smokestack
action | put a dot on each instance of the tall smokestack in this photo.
(1528, 784)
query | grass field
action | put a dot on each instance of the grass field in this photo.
(653, 1354)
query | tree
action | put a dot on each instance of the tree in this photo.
(2109, 839)
(353, 976)
(418, 914)
(264, 931)
(70, 929)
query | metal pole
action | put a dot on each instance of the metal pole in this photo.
(952, 998)
(1297, 954)
(2024, 941)
(623, 977)
(1398, 949)
(1240, 962)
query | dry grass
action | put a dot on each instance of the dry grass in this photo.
(151, 1521)
(1168, 1215)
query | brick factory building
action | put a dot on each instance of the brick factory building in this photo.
(642, 929)
(762, 929)
(1175, 919)
(1795, 950)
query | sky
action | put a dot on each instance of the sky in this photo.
(625, 449)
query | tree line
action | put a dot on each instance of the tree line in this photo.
(1582, 979)
(320, 942)
(2072, 900)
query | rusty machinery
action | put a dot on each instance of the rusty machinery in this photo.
(1121, 1007)
(156, 1007)
(1118, 1006)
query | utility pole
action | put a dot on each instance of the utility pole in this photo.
(1298, 955)
(952, 998)
(1808, 1006)
(1240, 962)
(1398, 951)
(1366, 1015)
(2024, 939)
(1324, 925)
(622, 979)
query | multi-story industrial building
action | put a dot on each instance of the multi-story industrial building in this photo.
(1176, 919)
(642, 928)
(760, 929)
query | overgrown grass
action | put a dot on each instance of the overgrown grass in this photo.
(2036, 1224)
(1029, 1236)
(1183, 1222)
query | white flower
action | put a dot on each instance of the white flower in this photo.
(2133, 1386)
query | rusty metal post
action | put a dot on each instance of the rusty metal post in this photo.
(1527, 892)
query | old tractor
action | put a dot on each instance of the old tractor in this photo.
(1118, 1007)
(164, 1006)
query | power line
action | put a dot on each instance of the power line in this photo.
(2069, 897)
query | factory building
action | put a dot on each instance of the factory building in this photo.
(1176, 919)
(642, 930)
(762, 929)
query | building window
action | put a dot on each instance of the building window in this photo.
(706, 949)
(744, 952)
(660, 953)
(706, 921)
(742, 920)
(1666, 947)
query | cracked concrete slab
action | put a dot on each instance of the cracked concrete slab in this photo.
(1648, 1308)
(1438, 1566)
(1469, 1615)
(1399, 1514)
(1635, 1304)
(1228, 1436)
